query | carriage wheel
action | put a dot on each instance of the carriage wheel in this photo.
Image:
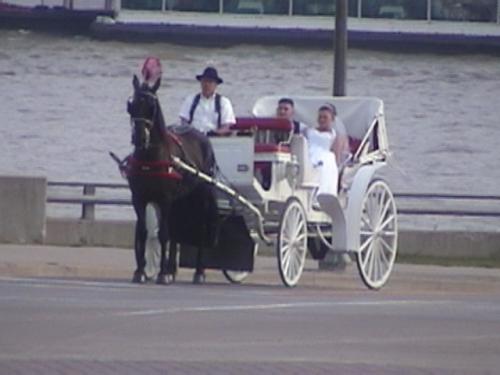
(292, 242)
(378, 235)
(235, 277)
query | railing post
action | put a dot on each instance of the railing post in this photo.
(498, 11)
(429, 10)
(88, 209)
(221, 6)
(360, 8)
(340, 70)
(290, 7)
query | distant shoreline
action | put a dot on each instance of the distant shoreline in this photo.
(315, 32)
(230, 29)
(55, 19)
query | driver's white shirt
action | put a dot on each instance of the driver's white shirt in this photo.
(205, 117)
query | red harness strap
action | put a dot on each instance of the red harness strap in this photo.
(160, 168)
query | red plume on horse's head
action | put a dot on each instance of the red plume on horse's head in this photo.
(151, 70)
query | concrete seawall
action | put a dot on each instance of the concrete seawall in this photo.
(444, 244)
(22, 209)
(23, 221)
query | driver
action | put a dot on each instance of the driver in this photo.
(208, 111)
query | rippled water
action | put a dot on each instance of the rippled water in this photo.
(62, 103)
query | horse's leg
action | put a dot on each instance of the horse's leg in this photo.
(140, 243)
(199, 274)
(209, 211)
(172, 260)
(163, 276)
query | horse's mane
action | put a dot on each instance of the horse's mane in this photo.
(160, 118)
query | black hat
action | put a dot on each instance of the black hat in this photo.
(210, 73)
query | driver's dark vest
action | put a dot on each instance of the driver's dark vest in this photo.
(195, 103)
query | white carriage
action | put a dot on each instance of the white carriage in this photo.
(266, 172)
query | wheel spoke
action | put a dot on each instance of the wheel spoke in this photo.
(387, 222)
(297, 262)
(285, 254)
(381, 200)
(295, 220)
(284, 246)
(383, 255)
(368, 253)
(301, 237)
(378, 264)
(366, 220)
(291, 269)
(384, 211)
(366, 243)
(370, 262)
(285, 260)
(299, 229)
(386, 245)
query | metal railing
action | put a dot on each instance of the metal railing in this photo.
(416, 204)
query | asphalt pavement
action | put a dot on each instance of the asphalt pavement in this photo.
(74, 311)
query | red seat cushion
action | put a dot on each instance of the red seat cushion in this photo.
(270, 147)
(262, 123)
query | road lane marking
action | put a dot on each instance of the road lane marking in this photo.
(274, 306)
(34, 282)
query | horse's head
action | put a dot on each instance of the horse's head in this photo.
(145, 114)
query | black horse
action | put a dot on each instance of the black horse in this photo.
(152, 178)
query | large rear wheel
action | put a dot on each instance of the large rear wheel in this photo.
(291, 246)
(378, 235)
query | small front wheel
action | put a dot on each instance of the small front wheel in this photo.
(291, 246)
(235, 277)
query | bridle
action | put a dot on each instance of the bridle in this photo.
(146, 122)
(152, 168)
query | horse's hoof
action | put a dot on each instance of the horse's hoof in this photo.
(199, 278)
(171, 278)
(139, 277)
(164, 279)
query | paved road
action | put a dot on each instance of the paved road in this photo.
(112, 327)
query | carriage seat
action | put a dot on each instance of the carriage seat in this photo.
(271, 134)
(308, 175)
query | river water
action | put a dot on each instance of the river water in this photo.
(62, 103)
